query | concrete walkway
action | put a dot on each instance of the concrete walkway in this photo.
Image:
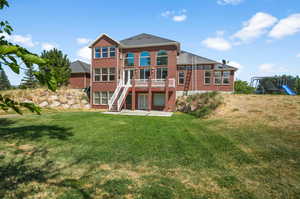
(141, 113)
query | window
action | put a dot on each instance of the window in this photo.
(181, 78)
(104, 74)
(97, 53)
(144, 73)
(129, 59)
(112, 51)
(226, 75)
(207, 77)
(145, 58)
(102, 97)
(218, 77)
(97, 75)
(162, 58)
(112, 74)
(161, 73)
(159, 99)
(105, 52)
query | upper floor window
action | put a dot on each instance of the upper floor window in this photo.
(104, 74)
(162, 58)
(181, 78)
(145, 58)
(112, 51)
(207, 77)
(161, 73)
(218, 77)
(105, 52)
(97, 52)
(129, 59)
(226, 75)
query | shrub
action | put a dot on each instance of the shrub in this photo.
(199, 105)
(242, 87)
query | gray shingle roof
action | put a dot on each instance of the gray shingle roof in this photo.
(186, 58)
(144, 40)
(80, 67)
(190, 58)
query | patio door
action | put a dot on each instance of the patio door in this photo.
(128, 75)
(143, 101)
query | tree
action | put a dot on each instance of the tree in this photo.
(59, 64)
(242, 87)
(29, 80)
(14, 56)
(4, 82)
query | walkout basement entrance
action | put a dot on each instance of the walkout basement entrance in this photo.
(142, 101)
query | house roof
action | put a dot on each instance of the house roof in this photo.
(187, 58)
(98, 38)
(79, 67)
(146, 40)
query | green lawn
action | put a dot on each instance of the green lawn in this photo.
(92, 155)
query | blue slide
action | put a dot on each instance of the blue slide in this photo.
(288, 90)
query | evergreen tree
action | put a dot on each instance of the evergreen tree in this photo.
(58, 65)
(4, 82)
(29, 80)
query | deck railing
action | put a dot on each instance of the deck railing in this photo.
(154, 83)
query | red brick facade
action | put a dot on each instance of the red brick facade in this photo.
(195, 83)
(79, 80)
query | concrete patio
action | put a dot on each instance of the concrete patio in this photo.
(141, 113)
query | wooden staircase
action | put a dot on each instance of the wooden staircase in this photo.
(187, 82)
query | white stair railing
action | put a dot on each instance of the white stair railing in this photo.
(123, 95)
(115, 95)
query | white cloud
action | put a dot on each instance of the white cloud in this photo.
(84, 53)
(232, 2)
(217, 43)
(235, 64)
(298, 55)
(271, 69)
(82, 40)
(255, 27)
(178, 16)
(21, 40)
(287, 26)
(48, 46)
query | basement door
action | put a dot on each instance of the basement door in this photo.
(143, 101)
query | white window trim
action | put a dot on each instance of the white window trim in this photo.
(101, 53)
(226, 77)
(217, 78)
(157, 56)
(179, 77)
(108, 74)
(211, 72)
(100, 92)
(127, 59)
(145, 57)
(161, 72)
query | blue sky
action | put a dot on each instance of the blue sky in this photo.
(261, 37)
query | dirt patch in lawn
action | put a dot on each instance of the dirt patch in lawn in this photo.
(273, 110)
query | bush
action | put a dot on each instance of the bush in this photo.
(242, 87)
(199, 105)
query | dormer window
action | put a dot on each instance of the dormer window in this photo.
(105, 52)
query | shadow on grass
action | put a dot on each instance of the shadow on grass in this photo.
(25, 176)
(32, 132)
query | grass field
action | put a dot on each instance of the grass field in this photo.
(70, 155)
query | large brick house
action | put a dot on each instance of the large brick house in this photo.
(148, 72)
